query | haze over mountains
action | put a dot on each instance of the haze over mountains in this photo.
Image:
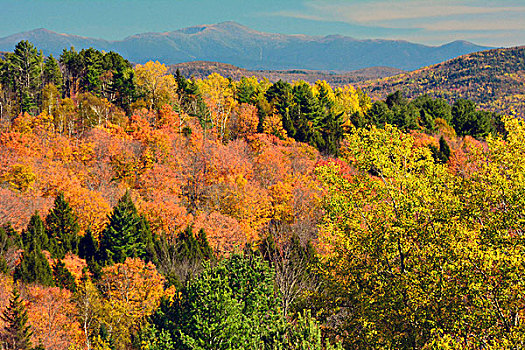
(232, 43)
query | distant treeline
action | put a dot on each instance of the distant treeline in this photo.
(87, 88)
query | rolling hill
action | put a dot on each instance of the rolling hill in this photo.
(494, 79)
(232, 43)
(202, 69)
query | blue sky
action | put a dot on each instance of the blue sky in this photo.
(434, 22)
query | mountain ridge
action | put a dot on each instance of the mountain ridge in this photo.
(202, 69)
(234, 43)
(494, 79)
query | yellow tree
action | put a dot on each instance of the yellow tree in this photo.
(131, 292)
(159, 87)
(218, 94)
(425, 256)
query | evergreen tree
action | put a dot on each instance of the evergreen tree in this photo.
(63, 278)
(444, 149)
(396, 99)
(463, 114)
(380, 114)
(35, 232)
(52, 73)
(73, 66)
(24, 66)
(245, 92)
(34, 267)
(280, 96)
(306, 114)
(62, 228)
(125, 233)
(88, 246)
(16, 334)
(88, 249)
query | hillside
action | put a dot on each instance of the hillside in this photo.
(232, 43)
(167, 213)
(494, 79)
(202, 69)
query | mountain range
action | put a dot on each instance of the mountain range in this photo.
(233, 43)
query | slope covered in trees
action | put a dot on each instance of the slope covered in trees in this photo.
(202, 69)
(159, 212)
(493, 79)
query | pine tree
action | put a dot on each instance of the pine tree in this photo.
(34, 267)
(63, 278)
(62, 228)
(17, 333)
(88, 246)
(35, 232)
(123, 236)
(52, 73)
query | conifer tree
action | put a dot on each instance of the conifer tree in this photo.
(17, 333)
(88, 246)
(88, 250)
(62, 228)
(34, 267)
(63, 278)
(35, 232)
(124, 235)
(52, 73)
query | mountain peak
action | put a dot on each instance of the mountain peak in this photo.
(229, 26)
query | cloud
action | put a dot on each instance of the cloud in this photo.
(429, 14)
(476, 25)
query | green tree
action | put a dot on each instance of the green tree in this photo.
(380, 114)
(229, 306)
(441, 154)
(8, 240)
(305, 334)
(52, 73)
(463, 115)
(62, 228)
(118, 85)
(182, 259)
(430, 109)
(306, 115)
(35, 233)
(34, 267)
(281, 98)
(63, 278)
(126, 235)
(16, 334)
(73, 68)
(24, 71)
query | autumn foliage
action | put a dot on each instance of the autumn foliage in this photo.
(395, 223)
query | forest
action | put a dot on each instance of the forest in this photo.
(144, 210)
(493, 79)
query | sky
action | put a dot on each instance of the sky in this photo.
(497, 23)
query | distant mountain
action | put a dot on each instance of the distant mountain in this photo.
(232, 43)
(494, 79)
(202, 69)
